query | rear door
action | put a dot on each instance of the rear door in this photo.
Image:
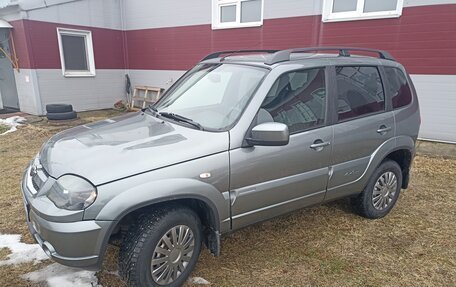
(267, 181)
(363, 122)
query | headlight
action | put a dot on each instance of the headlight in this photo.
(72, 192)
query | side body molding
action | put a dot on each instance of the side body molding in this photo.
(356, 186)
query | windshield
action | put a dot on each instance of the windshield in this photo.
(213, 96)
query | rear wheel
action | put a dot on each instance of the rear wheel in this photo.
(162, 248)
(381, 193)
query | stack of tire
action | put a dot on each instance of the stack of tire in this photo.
(59, 112)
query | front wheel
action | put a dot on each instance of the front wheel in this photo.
(381, 193)
(162, 248)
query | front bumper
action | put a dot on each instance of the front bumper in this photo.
(76, 244)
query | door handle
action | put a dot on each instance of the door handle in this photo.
(383, 129)
(319, 145)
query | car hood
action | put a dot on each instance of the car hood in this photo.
(120, 147)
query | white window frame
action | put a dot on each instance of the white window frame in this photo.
(89, 50)
(329, 16)
(216, 7)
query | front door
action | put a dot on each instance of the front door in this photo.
(8, 91)
(269, 181)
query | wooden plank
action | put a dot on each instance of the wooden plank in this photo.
(143, 95)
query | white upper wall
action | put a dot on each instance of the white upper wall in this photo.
(291, 8)
(410, 3)
(146, 14)
(141, 14)
(92, 13)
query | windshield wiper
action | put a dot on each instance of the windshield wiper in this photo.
(153, 109)
(180, 118)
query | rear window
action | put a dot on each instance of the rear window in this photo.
(398, 87)
(359, 92)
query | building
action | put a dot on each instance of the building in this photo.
(78, 51)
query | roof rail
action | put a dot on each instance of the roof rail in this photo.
(284, 55)
(217, 54)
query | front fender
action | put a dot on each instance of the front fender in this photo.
(165, 190)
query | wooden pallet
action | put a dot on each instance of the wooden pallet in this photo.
(143, 96)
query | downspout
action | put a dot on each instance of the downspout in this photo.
(124, 47)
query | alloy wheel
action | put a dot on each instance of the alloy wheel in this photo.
(384, 190)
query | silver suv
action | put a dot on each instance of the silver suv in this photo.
(237, 140)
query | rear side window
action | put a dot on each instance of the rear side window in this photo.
(297, 99)
(360, 92)
(399, 87)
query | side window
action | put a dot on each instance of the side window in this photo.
(359, 92)
(399, 87)
(297, 99)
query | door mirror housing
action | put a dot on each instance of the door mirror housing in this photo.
(269, 134)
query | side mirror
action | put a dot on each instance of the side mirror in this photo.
(269, 134)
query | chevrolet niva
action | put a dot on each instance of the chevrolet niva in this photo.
(238, 139)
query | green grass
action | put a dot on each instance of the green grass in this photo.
(3, 128)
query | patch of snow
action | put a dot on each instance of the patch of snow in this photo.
(12, 122)
(20, 252)
(198, 281)
(56, 275)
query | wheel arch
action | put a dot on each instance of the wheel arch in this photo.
(203, 207)
(403, 157)
(211, 205)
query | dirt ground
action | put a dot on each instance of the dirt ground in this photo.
(325, 245)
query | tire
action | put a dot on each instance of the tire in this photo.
(62, 116)
(59, 108)
(140, 243)
(381, 194)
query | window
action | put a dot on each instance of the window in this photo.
(297, 99)
(76, 53)
(359, 92)
(236, 13)
(347, 10)
(213, 95)
(399, 87)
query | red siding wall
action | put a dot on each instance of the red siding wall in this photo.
(20, 43)
(37, 45)
(423, 39)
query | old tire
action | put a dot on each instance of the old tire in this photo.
(62, 116)
(381, 193)
(59, 108)
(151, 244)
